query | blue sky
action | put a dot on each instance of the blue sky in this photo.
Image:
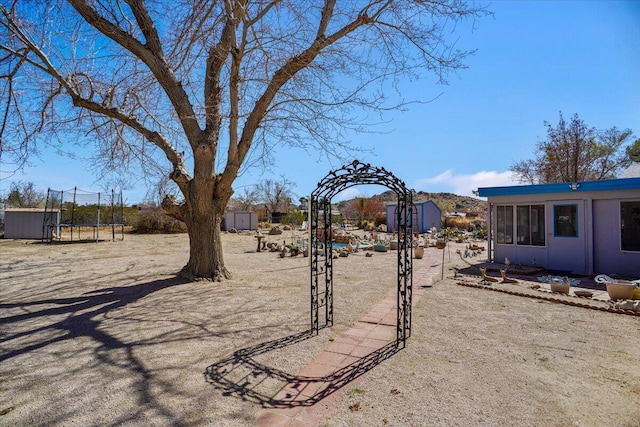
(533, 60)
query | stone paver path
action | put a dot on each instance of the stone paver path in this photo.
(318, 388)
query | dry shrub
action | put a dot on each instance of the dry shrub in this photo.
(459, 223)
(156, 221)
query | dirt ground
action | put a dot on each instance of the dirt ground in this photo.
(104, 334)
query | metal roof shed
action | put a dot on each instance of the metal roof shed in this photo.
(27, 223)
(426, 215)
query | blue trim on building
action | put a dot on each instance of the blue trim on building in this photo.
(565, 187)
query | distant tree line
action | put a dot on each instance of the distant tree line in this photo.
(23, 194)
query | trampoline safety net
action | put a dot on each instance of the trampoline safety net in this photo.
(78, 215)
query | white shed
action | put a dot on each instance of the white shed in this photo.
(28, 223)
(240, 220)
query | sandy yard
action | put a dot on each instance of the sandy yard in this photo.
(103, 334)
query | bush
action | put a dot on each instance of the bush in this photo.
(459, 223)
(363, 225)
(293, 217)
(131, 215)
(156, 221)
(482, 231)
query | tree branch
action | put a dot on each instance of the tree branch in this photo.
(285, 73)
(147, 26)
(154, 60)
(179, 168)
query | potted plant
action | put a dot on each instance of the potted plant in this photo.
(616, 288)
(560, 285)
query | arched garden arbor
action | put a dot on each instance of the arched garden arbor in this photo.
(336, 181)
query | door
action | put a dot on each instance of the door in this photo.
(566, 236)
(243, 220)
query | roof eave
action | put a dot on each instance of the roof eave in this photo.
(563, 187)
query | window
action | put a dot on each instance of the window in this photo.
(630, 226)
(504, 220)
(530, 219)
(565, 220)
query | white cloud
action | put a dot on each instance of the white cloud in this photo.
(347, 194)
(362, 190)
(465, 184)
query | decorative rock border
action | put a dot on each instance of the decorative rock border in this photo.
(551, 299)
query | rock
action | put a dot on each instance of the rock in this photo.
(275, 231)
(628, 305)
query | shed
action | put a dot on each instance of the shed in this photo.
(240, 220)
(28, 223)
(589, 227)
(426, 215)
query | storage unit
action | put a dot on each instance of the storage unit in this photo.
(426, 215)
(240, 220)
(27, 223)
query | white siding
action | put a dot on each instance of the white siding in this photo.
(27, 223)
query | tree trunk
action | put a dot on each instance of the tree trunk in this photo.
(202, 213)
(206, 260)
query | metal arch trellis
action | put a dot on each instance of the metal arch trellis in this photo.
(320, 245)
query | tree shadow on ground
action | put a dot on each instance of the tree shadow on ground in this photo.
(81, 318)
(80, 313)
(240, 375)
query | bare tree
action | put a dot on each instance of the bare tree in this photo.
(24, 195)
(157, 191)
(248, 198)
(574, 151)
(357, 206)
(275, 195)
(210, 86)
(373, 208)
(365, 208)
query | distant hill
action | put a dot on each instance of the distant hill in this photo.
(447, 202)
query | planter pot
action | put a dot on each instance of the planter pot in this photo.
(380, 247)
(440, 244)
(393, 245)
(418, 253)
(617, 290)
(562, 288)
